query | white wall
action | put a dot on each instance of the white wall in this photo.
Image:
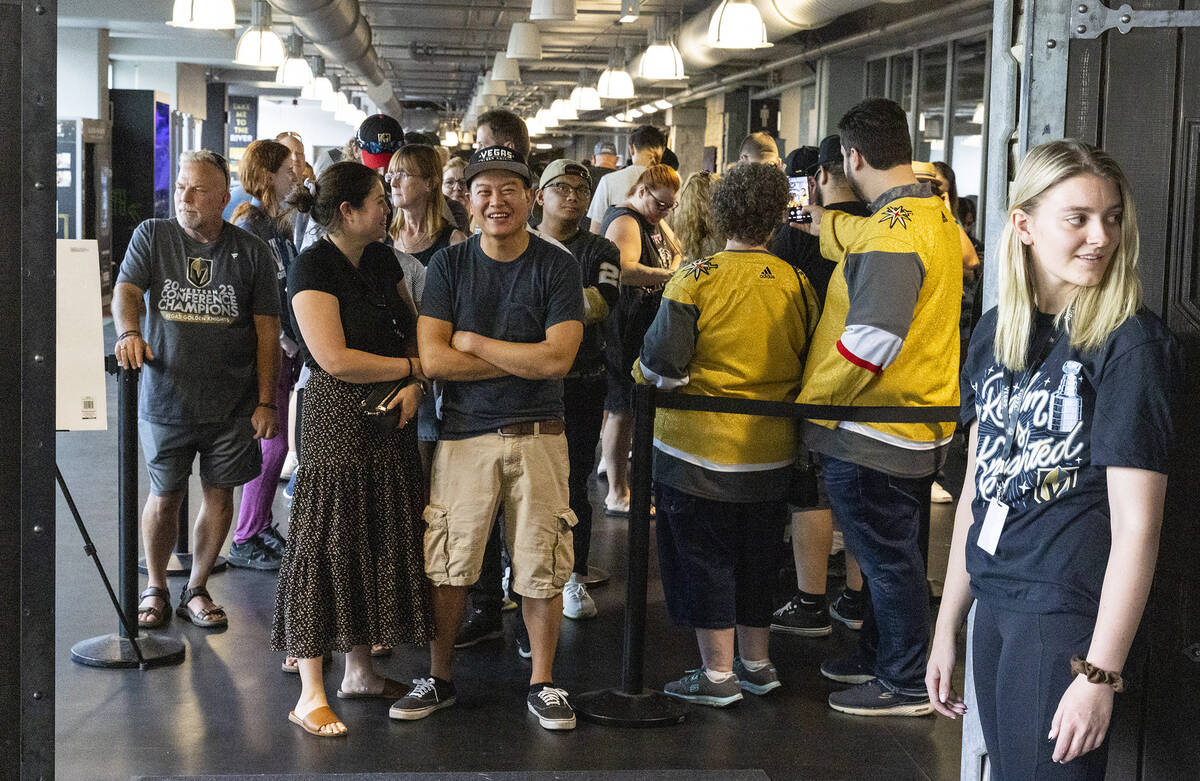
(151, 74)
(316, 127)
(191, 92)
(82, 72)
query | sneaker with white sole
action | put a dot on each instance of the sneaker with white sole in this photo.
(875, 698)
(804, 617)
(551, 708)
(426, 696)
(695, 686)
(848, 669)
(848, 610)
(756, 681)
(577, 602)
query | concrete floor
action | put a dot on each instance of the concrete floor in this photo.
(224, 709)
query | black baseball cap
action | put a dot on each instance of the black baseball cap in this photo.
(379, 136)
(830, 152)
(800, 161)
(497, 158)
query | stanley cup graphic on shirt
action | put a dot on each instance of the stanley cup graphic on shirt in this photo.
(1066, 405)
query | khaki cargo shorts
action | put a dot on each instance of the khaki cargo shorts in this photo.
(527, 476)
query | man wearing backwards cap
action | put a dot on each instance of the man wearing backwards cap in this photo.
(501, 321)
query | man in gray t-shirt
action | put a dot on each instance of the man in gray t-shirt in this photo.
(210, 354)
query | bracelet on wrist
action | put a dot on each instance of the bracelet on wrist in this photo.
(1094, 674)
(268, 405)
(129, 333)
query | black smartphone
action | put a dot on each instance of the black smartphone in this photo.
(800, 188)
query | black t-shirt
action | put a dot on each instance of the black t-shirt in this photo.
(1079, 413)
(637, 305)
(375, 319)
(440, 242)
(600, 264)
(514, 301)
(803, 251)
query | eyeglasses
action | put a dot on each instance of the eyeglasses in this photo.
(454, 184)
(393, 176)
(291, 133)
(564, 190)
(663, 206)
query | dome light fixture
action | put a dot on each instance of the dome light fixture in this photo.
(661, 61)
(647, 108)
(545, 117)
(204, 15)
(737, 24)
(615, 83)
(260, 45)
(535, 127)
(584, 98)
(524, 42)
(633, 113)
(295, 70)
(333, 101)
(552, 11)
(506, 70)
(320, 87)
(663, 103)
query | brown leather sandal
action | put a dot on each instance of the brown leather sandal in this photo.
(319, 717)
(206, 618)
(392, 690)
(161, 615)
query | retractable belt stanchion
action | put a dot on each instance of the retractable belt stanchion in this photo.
(632, 705)
(128, 648)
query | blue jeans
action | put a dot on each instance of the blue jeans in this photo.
(879, 517)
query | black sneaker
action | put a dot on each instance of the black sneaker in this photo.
(756, 681)
(273, 539)
(551, 707)
(478, 627)
(848, 610)
(801, 616)
(426, 696)
(695, 686)
(254, 553)
(523, 649)
(874, 698)
(848, 669)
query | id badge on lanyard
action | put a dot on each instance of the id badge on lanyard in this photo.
(997, 511)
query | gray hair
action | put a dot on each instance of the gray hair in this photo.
(206, 156)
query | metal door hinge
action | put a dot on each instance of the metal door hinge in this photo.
(1092, 18)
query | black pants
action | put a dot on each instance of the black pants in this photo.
(1022, 666)
(583, 400)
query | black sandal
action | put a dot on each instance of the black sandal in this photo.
(206, 618)
(161, 615)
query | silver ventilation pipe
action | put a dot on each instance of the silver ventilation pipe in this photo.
(341, 33)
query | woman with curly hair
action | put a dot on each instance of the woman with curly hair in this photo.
(1067, 391)
(693, 223)
(736, 324)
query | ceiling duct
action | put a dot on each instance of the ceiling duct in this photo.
(781, 18)
(341, 33)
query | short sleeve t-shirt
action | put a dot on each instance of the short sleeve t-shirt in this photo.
(803, 251)
(201, 299)
(1076, 413)
(600, 264)
(375, 319)
(514, 301)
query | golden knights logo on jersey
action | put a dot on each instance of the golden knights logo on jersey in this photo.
(199, 271)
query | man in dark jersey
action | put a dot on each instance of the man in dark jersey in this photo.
(500, 325)
(565, 189)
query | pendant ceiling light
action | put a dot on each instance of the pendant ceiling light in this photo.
(562, 108)
(584, 98)
(661, 61)
(524, 42)
(295, 70)
(490, 86)
(737, 24)
(320, 87)
(345, 111)
(331, 102)
(545, 117)
(552, 11)
(615, 83)
(535, 128)
(260, 45)
(506, 70)
(203, 14)
(663, 103)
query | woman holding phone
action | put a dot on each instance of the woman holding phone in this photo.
(1067, 392)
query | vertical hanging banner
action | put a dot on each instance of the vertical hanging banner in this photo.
(79, 366)
(243, 126)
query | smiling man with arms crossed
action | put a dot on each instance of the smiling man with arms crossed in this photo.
(500, 324)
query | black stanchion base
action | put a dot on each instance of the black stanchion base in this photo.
(180, 564)
(116, 651)
(595, 576)
(615, 708)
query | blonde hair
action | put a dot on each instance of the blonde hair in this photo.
(429, 167)
(693, 223)
(1095, 312)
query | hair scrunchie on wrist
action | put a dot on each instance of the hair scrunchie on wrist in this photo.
(1094, 674)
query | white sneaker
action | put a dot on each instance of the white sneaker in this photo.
(289, 466)
(577, 602)
(939, 495)
(601, 468)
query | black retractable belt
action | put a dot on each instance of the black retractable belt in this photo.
(632, 705)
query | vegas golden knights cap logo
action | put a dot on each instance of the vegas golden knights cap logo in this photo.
(199, 271)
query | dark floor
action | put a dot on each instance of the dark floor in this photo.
(224, 709)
